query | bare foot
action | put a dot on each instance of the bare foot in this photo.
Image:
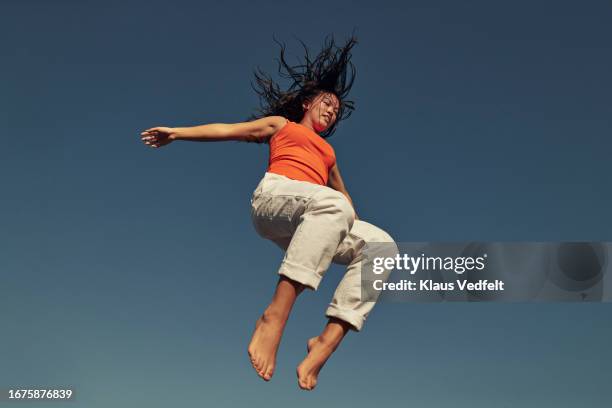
(264, 344)
(318, 353)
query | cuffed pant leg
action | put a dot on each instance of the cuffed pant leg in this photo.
(306, 220)
(325, 222)
(346, 303)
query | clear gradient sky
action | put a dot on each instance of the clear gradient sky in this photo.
(135, 276)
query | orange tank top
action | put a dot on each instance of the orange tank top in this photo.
(301, 154)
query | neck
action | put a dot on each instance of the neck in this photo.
(308, 123)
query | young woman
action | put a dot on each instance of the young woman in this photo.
(301, 203)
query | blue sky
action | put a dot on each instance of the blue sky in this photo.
(134, 274)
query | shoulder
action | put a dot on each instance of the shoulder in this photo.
(276, 122)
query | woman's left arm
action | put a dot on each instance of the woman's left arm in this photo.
(335, 182)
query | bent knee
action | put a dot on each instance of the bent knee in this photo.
(346, 209)
(372, 233)
(336, 203)
(382, 236)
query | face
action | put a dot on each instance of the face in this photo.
(322, 111)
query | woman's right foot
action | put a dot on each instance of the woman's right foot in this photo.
(264, 344)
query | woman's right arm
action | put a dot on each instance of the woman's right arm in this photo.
(256, 130)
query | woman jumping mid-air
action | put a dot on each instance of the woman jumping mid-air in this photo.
(301, 203)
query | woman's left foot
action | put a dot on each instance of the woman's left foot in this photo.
(319, 351)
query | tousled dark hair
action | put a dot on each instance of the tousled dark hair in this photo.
(331, 70)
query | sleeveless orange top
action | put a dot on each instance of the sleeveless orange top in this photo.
(301, 154)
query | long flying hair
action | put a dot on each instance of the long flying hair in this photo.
(331, 70)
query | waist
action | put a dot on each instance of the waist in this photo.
(300, 172)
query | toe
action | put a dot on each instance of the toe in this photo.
(268, 373)
(262, 371)
(303, 383)
(252, 357)
(300, 383)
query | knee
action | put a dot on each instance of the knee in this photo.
(381, 236)
(337, 205)
(346, 212)
(346, 209)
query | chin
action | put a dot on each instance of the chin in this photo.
(321, 127)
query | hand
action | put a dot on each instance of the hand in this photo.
(157, 136)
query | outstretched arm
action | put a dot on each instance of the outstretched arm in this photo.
(335, 182)
(257, 130)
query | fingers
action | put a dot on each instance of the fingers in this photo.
(154, 137)
(154, 144)
(151, 141)
(155, 131)
(150, 135)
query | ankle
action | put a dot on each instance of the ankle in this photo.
(328, 340)
(272, 314)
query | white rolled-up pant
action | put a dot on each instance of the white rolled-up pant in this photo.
(315, 225)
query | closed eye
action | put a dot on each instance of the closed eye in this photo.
(329, 103)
